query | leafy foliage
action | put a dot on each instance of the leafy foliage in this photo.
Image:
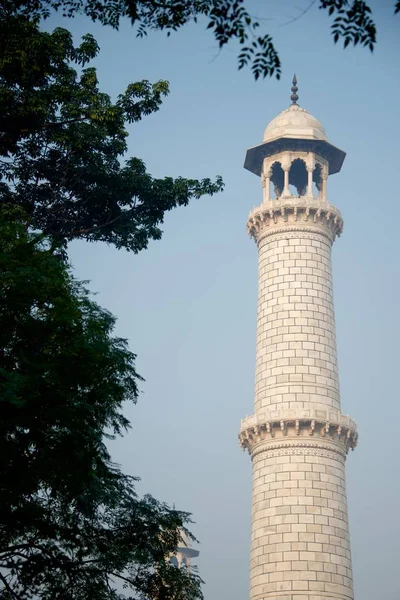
(71, 525)
(227, 19)
(63, 141)
(353, 23)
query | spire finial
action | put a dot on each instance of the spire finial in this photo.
(294, 97)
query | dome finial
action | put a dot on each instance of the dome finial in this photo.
(294, 97)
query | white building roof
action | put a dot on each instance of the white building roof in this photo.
(295, 122)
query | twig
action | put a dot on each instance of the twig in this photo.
(303, 12)
(96, 227)
(8, 588)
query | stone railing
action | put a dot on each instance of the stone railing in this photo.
(301, 211)
(329, 424)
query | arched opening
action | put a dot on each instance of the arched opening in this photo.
(317, 181)
(277, 179)
(298, 177)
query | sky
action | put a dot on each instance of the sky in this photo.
(187, 304)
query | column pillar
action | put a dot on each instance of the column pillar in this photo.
(324, 179)
(310, 172)
(266, 179)
(286, 191)
(324, 186)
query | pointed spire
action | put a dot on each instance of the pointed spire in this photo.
(294, 97)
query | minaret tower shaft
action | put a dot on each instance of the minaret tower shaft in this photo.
(297, 438)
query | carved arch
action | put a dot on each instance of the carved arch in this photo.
(317, 178)
(298, 176)
(277, 178)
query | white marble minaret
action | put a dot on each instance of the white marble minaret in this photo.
(297, 438)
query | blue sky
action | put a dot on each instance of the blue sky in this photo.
(188, 303)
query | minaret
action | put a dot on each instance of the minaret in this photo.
(297, 438)
(184, 553)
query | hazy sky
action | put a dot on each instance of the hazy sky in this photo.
(188, 303)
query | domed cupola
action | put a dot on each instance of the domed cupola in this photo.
(295, 122)
(295, 152)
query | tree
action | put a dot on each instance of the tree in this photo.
(63, 141)
(227, 19)
(71, 525)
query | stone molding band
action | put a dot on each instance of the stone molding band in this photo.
(291, 448)
(302, 594)
(288, 233)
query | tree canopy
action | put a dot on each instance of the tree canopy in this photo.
(352, 22)
(64, 141)
(71, 525)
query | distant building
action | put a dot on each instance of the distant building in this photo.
(184, 553)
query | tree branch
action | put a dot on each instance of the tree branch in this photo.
(123, 578)
(302, 13)
(96, 227)
(11, 549)
(8, 588)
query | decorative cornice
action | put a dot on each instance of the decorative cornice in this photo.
(329, 426)
(305, 214)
